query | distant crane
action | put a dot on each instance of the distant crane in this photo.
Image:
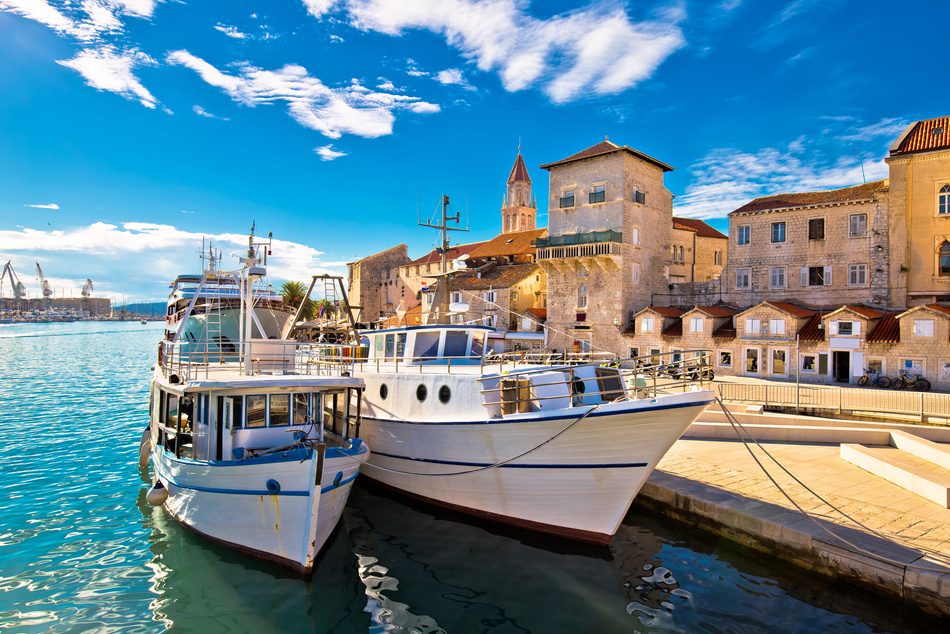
(86, 294)
(19, 291)
(45, 287)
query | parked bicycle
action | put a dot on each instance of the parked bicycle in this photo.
(906, 380)
(875, 378)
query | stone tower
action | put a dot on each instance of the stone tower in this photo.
(519, 209)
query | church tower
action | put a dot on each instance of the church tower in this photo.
(519, 209)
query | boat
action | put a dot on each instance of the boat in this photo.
(248, 448)
(554, 444)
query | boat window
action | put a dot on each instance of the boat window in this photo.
(478, 344)
(455, 343)
(422, 392)
(301, 411)
(445, 394)
(427, 345)
(171, 412)
(400, 344)
(383, 391)
(379, 346)
(279, 410)
(390, 346)
(256, 410)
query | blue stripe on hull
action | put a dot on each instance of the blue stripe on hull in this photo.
(618, 465)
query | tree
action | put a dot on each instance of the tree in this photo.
(292, 294)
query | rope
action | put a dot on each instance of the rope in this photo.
(491, 466)
(736, 425)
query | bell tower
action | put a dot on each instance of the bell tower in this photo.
(519, 208)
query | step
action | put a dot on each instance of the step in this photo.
(790, 433)
(917, 475)
(934, 452)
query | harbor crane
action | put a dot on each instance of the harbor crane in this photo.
(86, 294)
(45, 288)
(19, 291)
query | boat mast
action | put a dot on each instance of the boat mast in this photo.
(440, 301)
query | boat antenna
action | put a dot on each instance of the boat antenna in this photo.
(440, 302)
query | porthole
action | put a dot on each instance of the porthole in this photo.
(383, 391)
(445, 394)
(421, 393)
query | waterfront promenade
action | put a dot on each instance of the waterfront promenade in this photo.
(856, 526)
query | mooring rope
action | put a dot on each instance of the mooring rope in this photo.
(736, 425)
(491, 466)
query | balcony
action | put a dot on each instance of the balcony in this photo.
(566, 202)
(596, 197)
(579, 245)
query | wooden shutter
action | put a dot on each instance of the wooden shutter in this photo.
(827, 276)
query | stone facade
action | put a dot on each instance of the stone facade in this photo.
(368, 280)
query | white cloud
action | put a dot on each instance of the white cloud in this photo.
(204, 113)
(230, 31)
(597, 50)
(109, 69)
(351, 109)
(453, 77)
(888, 128)
(140, 259)
(50, 206)
(327, 153)
(86, 20)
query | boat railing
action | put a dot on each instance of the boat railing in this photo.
(645, 377)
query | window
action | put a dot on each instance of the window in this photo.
(915, 366)
(696, 324)
(634, 353)
(943, 200)
(752, 326)
(778, 362)
(581, 270)
(857, 274)
(778, 232)
(279, 409)
(640, 197)
(725, 358)
(777, 277)
(301, 408)
(717, 258)
(943, 259)
(582, 297)
(816, 229)
(816, 276)
(654, 356)
(742, 278)
(646, 324)
(808, 363)
(490, 296)
(597, 194)
(256, 410)
(923, 327)
(636, 235)
(682, 256)
(858, 225)
(876, 365)
(567, 199)
(743, 234)
(777, 326)
(635, 273)
(456, 297)
(845, 327)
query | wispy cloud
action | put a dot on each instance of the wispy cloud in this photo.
(889, 127)
(109, 69)
(231, 31)
(597, 50)
(49, 206)
(350, 109)
(204, 113)
(327, 153)
(453, 77)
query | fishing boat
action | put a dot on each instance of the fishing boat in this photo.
(251, 447)
(556, 445)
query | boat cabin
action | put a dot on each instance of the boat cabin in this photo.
(429, 345)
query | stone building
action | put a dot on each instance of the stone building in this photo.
(519, 209)
(698, 251)
(368, 280)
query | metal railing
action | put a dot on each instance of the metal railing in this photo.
(818, 399)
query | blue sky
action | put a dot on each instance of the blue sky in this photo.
(130, 129)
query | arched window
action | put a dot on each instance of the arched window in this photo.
(943, 259)
(507, 223)
(524, 223)
(682, 257)
(943, 200)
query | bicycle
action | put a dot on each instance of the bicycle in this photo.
(876, 378)
(918, 382)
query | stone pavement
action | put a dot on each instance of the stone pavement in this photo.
(716, 485)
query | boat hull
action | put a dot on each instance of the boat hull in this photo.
(230, 502)
(573, 473)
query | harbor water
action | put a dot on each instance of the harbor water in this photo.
(81, 550)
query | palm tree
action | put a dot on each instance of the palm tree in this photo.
(293, 293)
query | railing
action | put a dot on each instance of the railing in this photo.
(596, 197)
(566, 201)
(577, 245)
(819, 399)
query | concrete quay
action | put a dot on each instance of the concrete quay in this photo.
(868, 531)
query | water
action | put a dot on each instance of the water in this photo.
(81, 551)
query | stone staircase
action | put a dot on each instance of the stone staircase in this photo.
(909, 461)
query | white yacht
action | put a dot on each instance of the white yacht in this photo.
(248, 448)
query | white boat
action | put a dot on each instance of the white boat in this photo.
(556, 446)
(248, 448)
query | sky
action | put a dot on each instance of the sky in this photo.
(130, 130)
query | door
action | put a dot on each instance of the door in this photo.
(752, 361)
(841, 365)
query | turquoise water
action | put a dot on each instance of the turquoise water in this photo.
(81, 551)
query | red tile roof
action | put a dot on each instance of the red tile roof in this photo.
(792, 309)
(870, 313)
(512, 243)
(519, 172)
(673, 330)
(700, 227)
(540, 313)
(717, 311)
(498, 278)
(888, 330)
(606, 147)
(780, 201)
(922, 136)
(666, 311)
(454, 252)
(726, 331)
(940, 308)
(812, 331)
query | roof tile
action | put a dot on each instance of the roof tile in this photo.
(812, 330)
(512, 243)
(606, 147)
(780, 201)
(888, 330)
(922, 136)
(700, 227)
(519, 172)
